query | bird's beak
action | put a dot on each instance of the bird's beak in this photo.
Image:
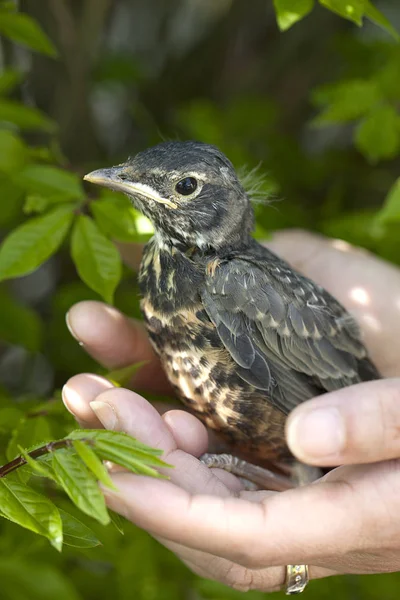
(111, 178)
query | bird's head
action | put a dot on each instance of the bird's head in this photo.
(189, 190)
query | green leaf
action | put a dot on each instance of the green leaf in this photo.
(115, 219)
(93, 463)
(80, 485)
(346, 100)
(9, 79)
(34, 242)
(13, 152)
(19, 324)
(375, 15)
(76, 533)
(51, 182)
(378, 135)
(39, 204)
(39, 467)
(22, 29)
(353, 10)
(124, 450)
(117, 521)
(26, 118)
(390, 212)
(26, 507)
(121, 377)
(288, 12)
(96, 258)
(114, 436)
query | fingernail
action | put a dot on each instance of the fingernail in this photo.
(70, 329)
(105, 413)
(68, 397)
(317, 434)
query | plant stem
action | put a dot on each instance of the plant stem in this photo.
(46, 449)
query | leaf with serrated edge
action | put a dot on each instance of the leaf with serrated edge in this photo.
(37, 466)
(31, 244)
(96, 259)
(124, 450)
(93, 463)
(114, 437)
(26, 507)
(76, 533)
(80, 485)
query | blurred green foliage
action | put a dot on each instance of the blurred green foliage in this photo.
(86, 83)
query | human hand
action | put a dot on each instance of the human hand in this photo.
(345, 523)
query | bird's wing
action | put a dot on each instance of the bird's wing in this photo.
(287, 335)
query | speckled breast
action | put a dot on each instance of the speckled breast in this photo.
(196, 363)
(199, 367)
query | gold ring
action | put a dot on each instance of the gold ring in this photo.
(296, 578)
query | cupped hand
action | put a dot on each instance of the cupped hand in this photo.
(347, 522)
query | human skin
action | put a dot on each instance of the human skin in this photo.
(347, 522)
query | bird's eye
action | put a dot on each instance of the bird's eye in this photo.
(186, 186)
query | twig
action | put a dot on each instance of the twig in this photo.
(20, 461)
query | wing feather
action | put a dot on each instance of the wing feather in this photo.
(287, 335)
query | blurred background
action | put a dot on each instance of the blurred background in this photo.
(88, 82)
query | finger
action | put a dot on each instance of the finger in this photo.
(123, 410)
(116, 341)
(186, 429)
(283, 528)
(367, 286)
(358, 424)
(250, 534)
(82, 389)
(234, 575)
(75, 395)
(181, 436)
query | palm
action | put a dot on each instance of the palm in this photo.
(205, 516)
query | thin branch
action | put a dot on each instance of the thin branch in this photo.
(20, 461)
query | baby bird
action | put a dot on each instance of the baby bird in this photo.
(242, 336)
